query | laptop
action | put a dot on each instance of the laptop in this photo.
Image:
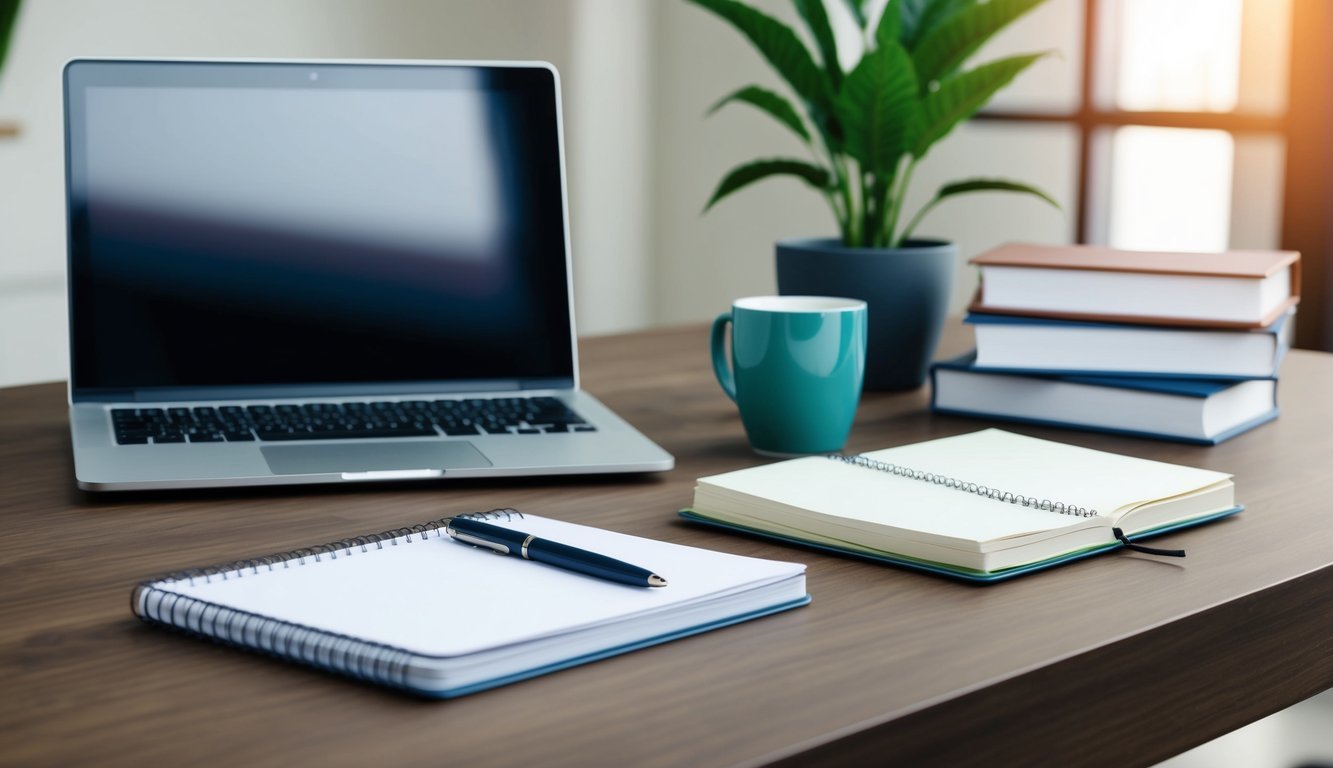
(310, 272)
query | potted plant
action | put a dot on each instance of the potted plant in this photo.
(866, 130)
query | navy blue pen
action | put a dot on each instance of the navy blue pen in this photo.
(506, 541)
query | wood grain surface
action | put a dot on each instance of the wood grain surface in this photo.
(1123, 659)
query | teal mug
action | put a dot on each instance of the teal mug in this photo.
(796, 369)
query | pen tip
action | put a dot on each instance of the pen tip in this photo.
(656, 581)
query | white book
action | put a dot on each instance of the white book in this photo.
(1015, 343)
(1232, 289)
(955, 505)
(1185, 410)
(416, 610)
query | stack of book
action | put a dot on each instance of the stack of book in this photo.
(1179, 346)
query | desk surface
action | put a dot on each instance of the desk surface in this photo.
(1121, 659)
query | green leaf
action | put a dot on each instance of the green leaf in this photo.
(747, 174)
(960, 96)
(890, 24)
(879, 109)
(973, 185)
(858, 9)
(767, 101)
(943, 49)
(9, 11)
(909, 16)
(992, 185)
(816, 18)
(921, 16)
(777, 43)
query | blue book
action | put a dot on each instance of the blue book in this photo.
(414, 609)
(1041, 345)
(1199, 411)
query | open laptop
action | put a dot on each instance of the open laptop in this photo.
(307, 272)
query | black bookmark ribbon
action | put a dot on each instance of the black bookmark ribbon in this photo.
(1119, 534)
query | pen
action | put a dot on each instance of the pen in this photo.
(506, 541)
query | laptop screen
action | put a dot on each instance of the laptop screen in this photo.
(275, 225)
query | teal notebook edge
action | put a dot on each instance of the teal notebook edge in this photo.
(963, 574)
(394, 675)
(607, 653)
(391, 681)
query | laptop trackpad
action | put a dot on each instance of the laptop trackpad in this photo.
(376, 457)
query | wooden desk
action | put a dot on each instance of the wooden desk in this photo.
(1123, 659)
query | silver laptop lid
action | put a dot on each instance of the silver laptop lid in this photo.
(259, 229)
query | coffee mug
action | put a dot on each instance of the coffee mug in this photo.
(796, 369)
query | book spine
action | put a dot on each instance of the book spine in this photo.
(1110, 430)
(1070, 373)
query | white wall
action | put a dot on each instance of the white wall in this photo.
(637, 76)
(608, 100)
(32, 250)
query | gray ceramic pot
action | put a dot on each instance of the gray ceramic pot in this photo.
(906, 291)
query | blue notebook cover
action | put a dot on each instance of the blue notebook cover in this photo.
(1187, 388)
(980, 318)
(955, 572)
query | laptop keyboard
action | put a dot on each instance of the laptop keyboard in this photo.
(342, 421)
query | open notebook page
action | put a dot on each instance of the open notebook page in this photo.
(846, 495)
(437, 597)
(1098, 480)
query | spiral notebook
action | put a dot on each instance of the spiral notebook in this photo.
(984, 506)
(413, 609)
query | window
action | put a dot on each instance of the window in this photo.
(1200, 126)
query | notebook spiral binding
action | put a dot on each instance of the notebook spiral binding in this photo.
(1032, 502)
(346, 655)
(393, 537)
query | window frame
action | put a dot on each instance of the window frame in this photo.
(1305, 127)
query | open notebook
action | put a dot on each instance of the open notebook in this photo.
(957, 505)
(414, 609)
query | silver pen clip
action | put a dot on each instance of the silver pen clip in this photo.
(496, 547)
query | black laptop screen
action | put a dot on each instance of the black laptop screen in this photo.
(265, 225)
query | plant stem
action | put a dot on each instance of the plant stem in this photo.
(921, 214)
(883, 204)
(847, 221)
(852, 221)
(881, 195)
(897, 204)
(845, 216)
(831, 195)
(868, 209)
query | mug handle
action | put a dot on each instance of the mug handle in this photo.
(725, 377)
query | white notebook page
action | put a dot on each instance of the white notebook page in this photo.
(1015, 463)
(437, 597)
